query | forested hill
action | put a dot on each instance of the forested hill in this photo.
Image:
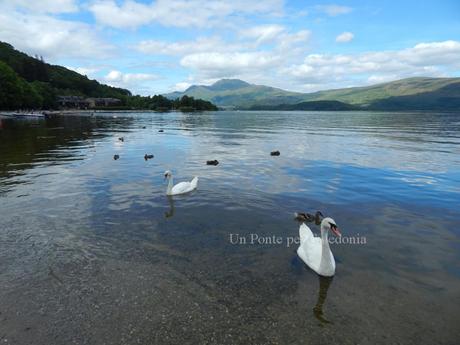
(31, 83)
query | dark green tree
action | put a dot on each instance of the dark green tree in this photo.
(10, 88)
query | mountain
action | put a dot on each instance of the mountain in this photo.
(417, 93)
(399, 92)
(311, 105)
(238, 93)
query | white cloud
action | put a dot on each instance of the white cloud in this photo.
(434, 53)
(344, 37)
(53, 38)
(43, 6)
(88, 71)
(115, 76)
(288, 40)
(276, 34)
(249, 40)
(211, 58)
(130, 14)
(216, 65)
(334, 10)
(201, 44)
(427, 59)
(182, 86)
(139, 83)
(178, 13)
(263, 33)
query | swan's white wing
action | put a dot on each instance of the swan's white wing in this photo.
(304, 232)
(184, 187)
(310, 247)
(181, 187)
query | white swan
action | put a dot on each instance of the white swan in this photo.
(181, 187)
(315, 251)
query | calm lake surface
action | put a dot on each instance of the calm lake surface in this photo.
(93, 252)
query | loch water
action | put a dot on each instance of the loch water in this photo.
(92, 251)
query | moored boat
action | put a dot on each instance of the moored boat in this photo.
(24, 114)
(31, 114)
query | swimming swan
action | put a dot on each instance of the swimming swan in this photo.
(181, 187)
(315, 251)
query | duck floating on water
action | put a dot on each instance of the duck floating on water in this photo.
(307, 217)
(115, 157)
(214, 162)
(275, 153)
(160, 131)
(121, 139)
(147, 157)
(315, 251)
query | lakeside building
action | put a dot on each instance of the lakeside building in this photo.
(78, 102)
(103, 102)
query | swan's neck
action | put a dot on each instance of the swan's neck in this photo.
(326, 251)
(325, 239)
(170, 185)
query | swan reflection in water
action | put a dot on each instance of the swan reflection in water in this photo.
(324, 283)
(170, 212)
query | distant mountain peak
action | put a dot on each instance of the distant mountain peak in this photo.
(190, 88)
(228, 84)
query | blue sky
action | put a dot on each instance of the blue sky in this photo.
(164, 45)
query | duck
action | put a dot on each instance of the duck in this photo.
(307, 217)
(275, 153)
(160, 131)
(115, 157)
(121, 139)
(315, 251)
(181, 187)
(214, 162)
(147, 157)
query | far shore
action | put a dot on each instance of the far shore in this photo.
(85, 112)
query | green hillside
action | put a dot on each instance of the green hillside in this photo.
(374, 94)
(31, 83)
(406, 94)
(444, 98)
(310, 105)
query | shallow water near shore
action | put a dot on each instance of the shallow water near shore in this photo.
(92, 251)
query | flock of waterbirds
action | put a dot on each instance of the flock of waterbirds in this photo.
(209, 162)
(314, 251)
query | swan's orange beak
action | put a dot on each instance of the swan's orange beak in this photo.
(335, 230)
